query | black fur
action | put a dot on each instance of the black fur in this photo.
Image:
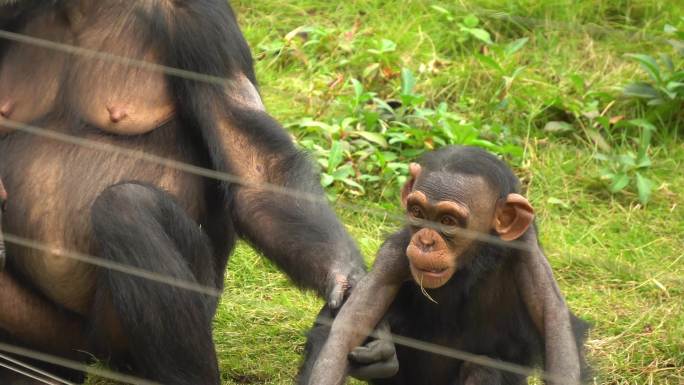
(140, 226)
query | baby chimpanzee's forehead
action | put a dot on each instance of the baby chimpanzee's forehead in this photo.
(465, 189)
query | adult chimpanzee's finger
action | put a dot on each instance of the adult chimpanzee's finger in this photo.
(382, 369)
(375, 351)
(339, 288)
(335, 296)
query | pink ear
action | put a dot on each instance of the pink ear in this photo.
(414, 170)
(513, 217)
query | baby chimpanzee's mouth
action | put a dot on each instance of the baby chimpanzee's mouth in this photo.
(435, 272)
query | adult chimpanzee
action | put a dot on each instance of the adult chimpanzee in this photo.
(438, 281)
(137, 213)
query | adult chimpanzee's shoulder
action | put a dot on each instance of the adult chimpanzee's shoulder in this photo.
(207, 39)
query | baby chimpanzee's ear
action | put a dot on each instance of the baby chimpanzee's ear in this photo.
(414, 170)
(513, 217)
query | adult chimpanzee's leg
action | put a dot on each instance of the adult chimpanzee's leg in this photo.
(165, 329)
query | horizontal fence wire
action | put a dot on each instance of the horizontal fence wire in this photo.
(114, 266)
(33, 371)
(23, 372)
(74, 365)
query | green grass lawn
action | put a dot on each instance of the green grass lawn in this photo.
(619, 264)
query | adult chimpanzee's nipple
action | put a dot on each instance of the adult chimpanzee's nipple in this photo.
(6, 109)
(117, 114)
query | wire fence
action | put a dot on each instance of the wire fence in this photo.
(11, 362)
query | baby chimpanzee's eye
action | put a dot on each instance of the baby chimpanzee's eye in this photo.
(448, 220)
(415, 211)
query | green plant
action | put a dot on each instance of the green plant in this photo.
(664, 92)
(667, 81)
(468, 27)
(368, 148)
(623, 169)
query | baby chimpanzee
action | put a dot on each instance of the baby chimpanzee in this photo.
(453, 277)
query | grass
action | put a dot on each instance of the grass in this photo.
(619, 264)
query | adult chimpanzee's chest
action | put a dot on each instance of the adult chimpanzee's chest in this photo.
(66, 179)
(118, 95)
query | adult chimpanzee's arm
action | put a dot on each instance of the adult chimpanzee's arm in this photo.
(299, 231)
(363, 310)
(3, 197)
(549, 312)
(295, 228)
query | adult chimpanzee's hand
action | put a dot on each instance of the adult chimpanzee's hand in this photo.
(340, 287)
(376, 359)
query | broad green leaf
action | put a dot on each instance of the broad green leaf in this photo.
(358, 88)
(640, 90)
(383, 104)
(471, 21)
(515, 46)
(489, 62)
(370, 69)
(649, 65)
(388, 45)
(643, 123)
(644, 162)
(607, 174)
(335, 156)
(351, 182)
(326, 180)
(673, 86)
(408, 81)
(620, 181)
(389, 156)
(398, 166)
(373, 137)
(313, 123)
(644, 187)
(343, 172)
(626, 160)
(480, 34)
(647, 129)
(578, 82)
